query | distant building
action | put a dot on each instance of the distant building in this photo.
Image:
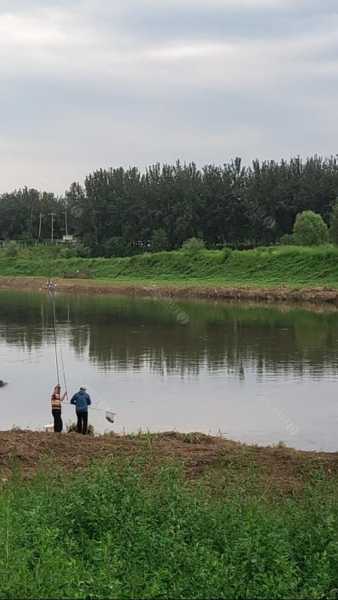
(68, 239)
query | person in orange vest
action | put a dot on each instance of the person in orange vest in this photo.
(57, 400)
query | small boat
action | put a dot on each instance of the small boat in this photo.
(2, 383)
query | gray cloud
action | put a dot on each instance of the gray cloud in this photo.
(90, 83)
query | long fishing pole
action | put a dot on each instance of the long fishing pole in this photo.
(55, 339)
(63, 371)
(109, 414)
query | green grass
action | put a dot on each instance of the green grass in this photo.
(292, 266)
(131, 531)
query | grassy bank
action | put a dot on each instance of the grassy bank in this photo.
(292, 266)
(136, 528)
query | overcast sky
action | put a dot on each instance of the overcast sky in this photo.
(98, 83)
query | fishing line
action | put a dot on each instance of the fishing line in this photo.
(109, 414)
(55, 339)
(63, 371)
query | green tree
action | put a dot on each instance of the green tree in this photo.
(222, 204)
(310, 229)
(159, 240)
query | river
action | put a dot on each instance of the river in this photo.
(254, 373)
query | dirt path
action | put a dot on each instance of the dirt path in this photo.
(281, 468)
(317, 295)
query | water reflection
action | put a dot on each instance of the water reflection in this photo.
(256, 373)
(117, 333)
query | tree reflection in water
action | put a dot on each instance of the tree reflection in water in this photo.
(129, 333)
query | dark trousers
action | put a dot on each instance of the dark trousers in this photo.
(58, 425)
(82, 422)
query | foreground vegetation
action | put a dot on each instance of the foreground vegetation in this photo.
(128, 529)
(293, 266)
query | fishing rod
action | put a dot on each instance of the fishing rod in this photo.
(109, 414)
(51, 296)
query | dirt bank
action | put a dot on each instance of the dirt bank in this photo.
(279, 467)
(317, 295)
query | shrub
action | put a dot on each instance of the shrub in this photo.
(50, 250)
(310, 230)
(226, 253)
(72, 428)
(68, 252)
(287, 239)
(334, 225)
(82, 251)
(11, 249)
(116, 246)
(78, 250)
(193, 245)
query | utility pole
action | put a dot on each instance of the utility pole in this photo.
(52, 216)
(40, 225)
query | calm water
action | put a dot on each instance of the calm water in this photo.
(254, 373)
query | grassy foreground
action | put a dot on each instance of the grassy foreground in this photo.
(292, 266)
(139, 528)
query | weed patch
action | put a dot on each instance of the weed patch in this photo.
(120, 530)
(263, 266)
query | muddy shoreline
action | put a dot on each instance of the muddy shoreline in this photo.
(286, 469)
(315, 296)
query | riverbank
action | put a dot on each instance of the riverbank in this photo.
(284, 469)
(270, 274)
(165, 516)
(209, 290)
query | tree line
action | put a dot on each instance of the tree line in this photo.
(120, 211)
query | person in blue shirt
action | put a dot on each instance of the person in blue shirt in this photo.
(81, 400)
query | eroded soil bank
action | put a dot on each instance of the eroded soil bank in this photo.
(281, 468)
(313, 295)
